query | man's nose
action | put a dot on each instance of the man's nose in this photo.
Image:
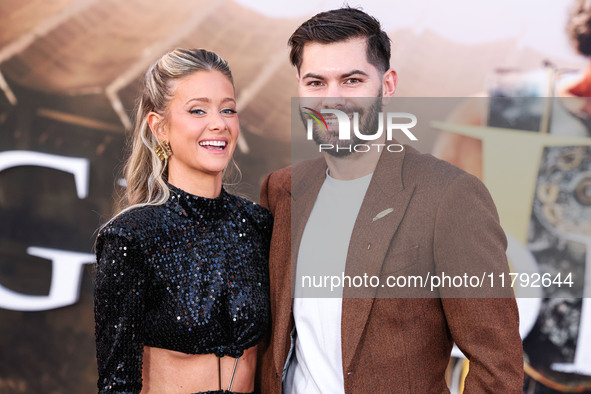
(334, 90)
(334, 97)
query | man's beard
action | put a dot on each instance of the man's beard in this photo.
(368, 125)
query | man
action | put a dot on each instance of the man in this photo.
(376, 213)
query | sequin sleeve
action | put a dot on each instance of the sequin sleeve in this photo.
(119, 307)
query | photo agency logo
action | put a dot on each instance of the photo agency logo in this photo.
(331, 129)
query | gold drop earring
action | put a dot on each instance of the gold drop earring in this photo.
(162, 150)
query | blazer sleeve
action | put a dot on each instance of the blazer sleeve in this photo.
(119, 305)
(469, 239)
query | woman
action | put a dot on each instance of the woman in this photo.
(181, 295)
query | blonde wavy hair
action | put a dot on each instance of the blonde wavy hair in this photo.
(145, 174)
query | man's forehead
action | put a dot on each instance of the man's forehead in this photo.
(337, 58)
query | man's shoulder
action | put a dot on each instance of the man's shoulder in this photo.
(280, 176)
(439, 180)
(283, 176)
(427, 163)
(423, 168)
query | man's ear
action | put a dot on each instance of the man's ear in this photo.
(389, 82)
(156, 124)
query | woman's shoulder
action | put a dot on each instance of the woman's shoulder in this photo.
(260, 213)
(133, 221)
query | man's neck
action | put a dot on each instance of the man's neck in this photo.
(353, 166)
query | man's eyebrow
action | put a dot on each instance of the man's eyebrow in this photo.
(354, 72)
(312, 75)
(345, 75)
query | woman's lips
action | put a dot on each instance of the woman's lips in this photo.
(214, 145)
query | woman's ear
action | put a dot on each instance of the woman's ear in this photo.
(156, 124)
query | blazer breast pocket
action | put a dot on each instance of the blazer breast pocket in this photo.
(398, 260)
(403, 275)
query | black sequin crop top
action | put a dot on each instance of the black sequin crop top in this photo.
(190, 275)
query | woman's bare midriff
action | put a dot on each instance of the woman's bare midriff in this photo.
(167, 371)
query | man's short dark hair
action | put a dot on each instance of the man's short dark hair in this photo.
(340, 25)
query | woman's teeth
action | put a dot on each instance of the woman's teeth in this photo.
(218, 145)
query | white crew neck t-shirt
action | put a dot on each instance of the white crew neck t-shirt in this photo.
(317, 365)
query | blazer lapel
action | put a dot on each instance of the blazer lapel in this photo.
(282, 318)
(306, 181)
(381, 212)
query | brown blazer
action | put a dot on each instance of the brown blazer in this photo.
(443, 219)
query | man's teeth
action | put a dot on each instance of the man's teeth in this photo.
(335, 120)
(213, 143)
